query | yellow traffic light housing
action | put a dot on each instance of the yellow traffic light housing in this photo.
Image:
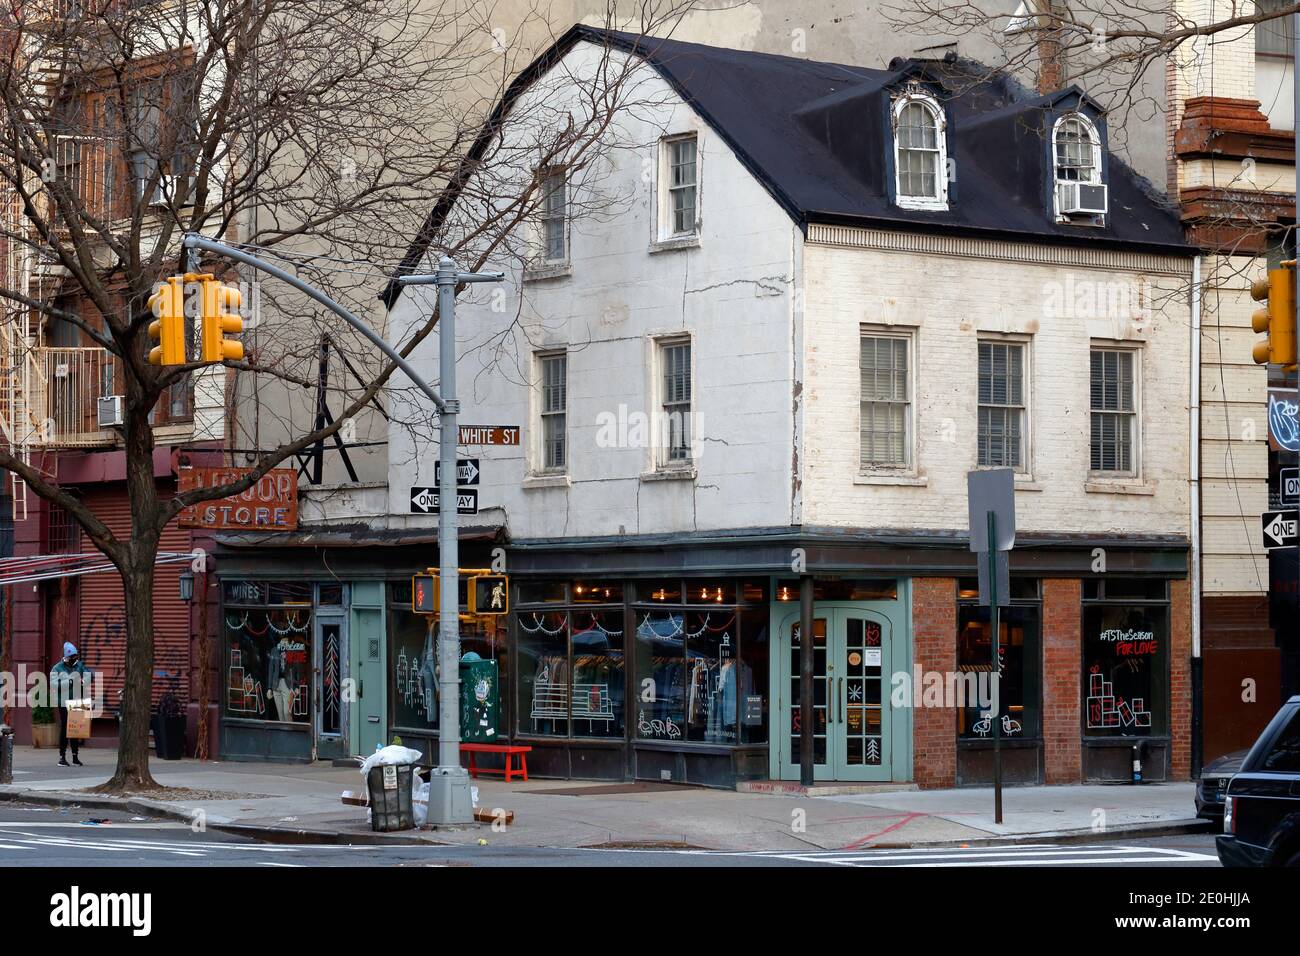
(168, 327)
(1277, 318)
(489, 594)
(220, 316)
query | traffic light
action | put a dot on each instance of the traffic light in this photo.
(220, 315)
(489, 594)
(1277, 318)
(424, 594)
(168, 327)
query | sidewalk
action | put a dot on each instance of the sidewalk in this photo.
(301, 802)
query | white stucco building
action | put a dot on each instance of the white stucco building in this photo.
(766, 334)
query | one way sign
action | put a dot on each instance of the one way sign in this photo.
(466, 472)
(425, 501)
(1281, 528)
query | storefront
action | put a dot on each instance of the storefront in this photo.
(612, 673)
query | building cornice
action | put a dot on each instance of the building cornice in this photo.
(964, 247)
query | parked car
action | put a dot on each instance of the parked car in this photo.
(1213, 785)
(1261, 814)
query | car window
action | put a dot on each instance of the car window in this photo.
(1284, 755)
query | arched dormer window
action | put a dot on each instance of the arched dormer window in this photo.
(920, 153)
(1078, 150)
(1076, 170)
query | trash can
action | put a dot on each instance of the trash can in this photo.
(390, 797)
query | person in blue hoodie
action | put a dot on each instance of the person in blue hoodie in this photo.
(69, 680)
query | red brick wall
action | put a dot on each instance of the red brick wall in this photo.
(1062, 667)
(934, 648)
(1180, 679)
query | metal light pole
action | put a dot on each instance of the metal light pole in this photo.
(449, 795)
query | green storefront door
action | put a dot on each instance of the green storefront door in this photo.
(368, 653)
(856, 734)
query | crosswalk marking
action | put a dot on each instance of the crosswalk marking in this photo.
(1037, 854)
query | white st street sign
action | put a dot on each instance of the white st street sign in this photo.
(1281, 528)
(424, 501)
(467, 472)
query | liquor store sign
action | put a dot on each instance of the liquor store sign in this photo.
(269, 504)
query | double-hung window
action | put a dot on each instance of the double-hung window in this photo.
(682, 198)
(1112, 409)
(553, 408)
(555, 217)
(885, 415)
(675, 400)
(920, 154)
(1002, 405)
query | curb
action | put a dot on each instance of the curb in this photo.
(65, 798)
(153, 808)
(1142, 830)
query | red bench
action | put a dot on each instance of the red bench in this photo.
(509, 750)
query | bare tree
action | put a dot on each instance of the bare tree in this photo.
(320, 131)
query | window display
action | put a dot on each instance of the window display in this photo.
(268, 651)
(571, 672)
(1125, 669)
(1018, 685)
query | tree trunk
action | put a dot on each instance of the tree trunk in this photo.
(137, 567)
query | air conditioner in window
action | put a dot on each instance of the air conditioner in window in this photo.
(1081, 199)
(109, 412)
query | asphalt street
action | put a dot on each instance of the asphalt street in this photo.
(53, 836)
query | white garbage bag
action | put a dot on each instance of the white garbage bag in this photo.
(391, 754)
(420, 804)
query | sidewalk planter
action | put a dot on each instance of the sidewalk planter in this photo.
(391, 799)
(169, 737)
(45, 728)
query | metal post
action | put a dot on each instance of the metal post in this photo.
(995, 705)
(807, 712)
(452, 804)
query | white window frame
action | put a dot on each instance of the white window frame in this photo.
(542, 465)
(931, 105)
(661, 428)
(546, 216)
(908, 464)
(1024, 469)
(1134, 414)
(665, 232)
(1097, 178)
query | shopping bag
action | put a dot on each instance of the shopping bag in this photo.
(78, 723)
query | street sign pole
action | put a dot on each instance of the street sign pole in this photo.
(449, 794)
(995, 683)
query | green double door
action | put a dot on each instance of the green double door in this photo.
(856, 734)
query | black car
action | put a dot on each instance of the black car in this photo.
(1261, 816)
(1213, 785)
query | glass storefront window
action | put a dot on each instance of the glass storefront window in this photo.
(597, 687)
(1018, 688)
(413, 689)
(268, 651)
(572, 679)
(1125, 669)
(846, 589)
(755, 655)
(413, 657)
(542, 653)
(693, 678)
(596, 592)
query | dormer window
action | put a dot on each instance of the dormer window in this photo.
(920, 153)
(1079, 193)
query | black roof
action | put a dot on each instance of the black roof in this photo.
(814, 134)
